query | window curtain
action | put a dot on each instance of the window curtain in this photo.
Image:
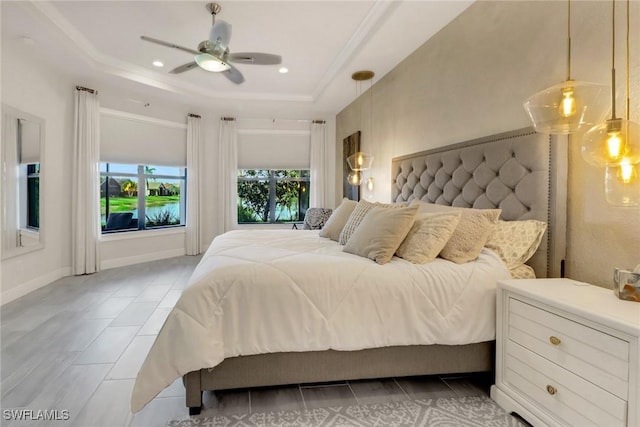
(10, 225)
(228, 174)
(192, 237)
(318, 164)
(85, 210)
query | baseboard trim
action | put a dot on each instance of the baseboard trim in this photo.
(130, 260)
(33, 284)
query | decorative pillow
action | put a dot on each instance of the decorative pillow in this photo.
(523, 271)
(315, 218)
(354, 220)
(381, 232)
(472, 232)
(428, 236)
(334, 225)
(516, 241)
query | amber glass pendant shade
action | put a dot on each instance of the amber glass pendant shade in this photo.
(622, 186)
(354, 178)
(608, 143)
(568, 107)
(360, 161)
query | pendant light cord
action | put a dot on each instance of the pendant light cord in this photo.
(568, 40)
(627, 82)
(613, 60)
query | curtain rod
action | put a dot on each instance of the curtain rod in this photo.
(228, 119)
(194, 115)
(319, 122)
(86, 89)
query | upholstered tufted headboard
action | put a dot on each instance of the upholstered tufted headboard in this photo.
(521, 172)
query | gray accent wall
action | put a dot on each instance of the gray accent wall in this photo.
(470, 80)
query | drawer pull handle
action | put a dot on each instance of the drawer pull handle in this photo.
(554, 340)
(551, 389)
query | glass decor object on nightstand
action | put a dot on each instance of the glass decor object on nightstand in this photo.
(627, 284)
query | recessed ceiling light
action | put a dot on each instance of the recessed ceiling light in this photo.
(283, 70)
(158, 63)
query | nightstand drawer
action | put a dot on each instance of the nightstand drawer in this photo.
(571, 399)
(589, 353)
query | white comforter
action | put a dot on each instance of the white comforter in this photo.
(272, 291)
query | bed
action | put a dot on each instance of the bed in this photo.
(337, 334)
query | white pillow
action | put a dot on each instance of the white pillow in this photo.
(381, 232)
(428, 236)
(334, 225)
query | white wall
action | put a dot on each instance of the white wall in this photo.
(48, 94)
(470, 80)
(38, 89)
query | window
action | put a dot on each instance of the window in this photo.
(141, 197)
(33, 196)
(272, 195)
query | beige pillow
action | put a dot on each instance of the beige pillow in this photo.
(381, 232)
(472, 232)
(516, 241)
(428, 236)
(523, 271)
(357, 215)
(334, 225)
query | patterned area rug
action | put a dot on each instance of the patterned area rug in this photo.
(442, 412)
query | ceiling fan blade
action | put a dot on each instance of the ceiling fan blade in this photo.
(234, 75)
(256, 58)
(220, 35)
(171, 45)
(184, 67)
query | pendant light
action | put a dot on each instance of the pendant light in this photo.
(622, 184)
(617, 139)
(360, 161)
(569, 106)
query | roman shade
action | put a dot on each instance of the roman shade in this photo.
(134, 139)
(273, 149)
(29, 142)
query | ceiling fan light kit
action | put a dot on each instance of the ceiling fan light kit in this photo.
(213, 55)
(211, 63)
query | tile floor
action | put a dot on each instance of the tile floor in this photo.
(78, 343)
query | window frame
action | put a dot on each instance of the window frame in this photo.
(272, 179)
(141, 176)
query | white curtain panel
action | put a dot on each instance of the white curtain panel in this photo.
(192, 237)
(10, 226)
(85, 214)
(228, 175)
(318, 165)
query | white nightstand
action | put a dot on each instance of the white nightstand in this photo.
(567, 353)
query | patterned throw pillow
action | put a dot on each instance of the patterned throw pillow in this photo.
(516, 241)
(428, 236)
(358, 214)
(315, 218)
(523, 271)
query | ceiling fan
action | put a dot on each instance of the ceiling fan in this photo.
(213, 54)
